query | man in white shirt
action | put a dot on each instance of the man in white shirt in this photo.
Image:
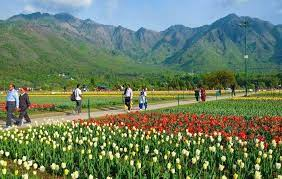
(12, 104)
(128, 95)
(78, 99)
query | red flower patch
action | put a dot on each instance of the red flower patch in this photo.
(264, 128)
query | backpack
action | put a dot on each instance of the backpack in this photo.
(72, 97)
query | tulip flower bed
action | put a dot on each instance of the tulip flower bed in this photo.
(39, 107)
(236, 106)
(155, 145)
(273, 94)
(11, 169)
(257, 127)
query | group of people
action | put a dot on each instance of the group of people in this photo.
(16, 102)
(200, 93)
(128, 96)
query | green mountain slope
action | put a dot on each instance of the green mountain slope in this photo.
(43, 48)
(221, 46)
(45, 45)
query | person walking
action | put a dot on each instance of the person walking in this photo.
(233, 90)
(12, 104)
(142, 99)
(124, 89)
(203, 94)
(128, 95)
(146, 99)
(78, 99)
(24, 104)
(197, 94)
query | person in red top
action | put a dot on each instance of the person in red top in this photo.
(203, 94)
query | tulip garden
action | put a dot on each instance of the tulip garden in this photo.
(172, 143)
(247, 107)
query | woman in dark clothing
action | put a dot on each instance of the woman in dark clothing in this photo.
(203, 94)
(24, 105)
(197, 94)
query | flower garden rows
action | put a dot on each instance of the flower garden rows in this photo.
(32, 106)
(149, 145)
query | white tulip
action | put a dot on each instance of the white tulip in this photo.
(4, 171)
(260, 153)
(82, 151)
(34, 172)
(75, 175)
(7, 154)
(138, 164)
(25, 176)
(53, 166)
(274, 144)
(221, 167)
(223, 177)
(270, 151)
(278, 166)
(257, 175)
(63, 165)
(168, 166)
(117, 155)
(20, 161)
(146, 151)
(198, 152)
(24, 158)
(246, 155)
(257, 167)
(42, 168)
(156, 151)
(126, 157)
(205, 166)
(212, 149)
(258, 160)
(242, 165)
(223, 158)
(103, 153)
(270, 156)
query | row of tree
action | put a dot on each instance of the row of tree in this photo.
(167, 81)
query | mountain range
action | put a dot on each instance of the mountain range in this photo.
(45, 43)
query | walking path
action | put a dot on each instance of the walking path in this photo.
(97, 114)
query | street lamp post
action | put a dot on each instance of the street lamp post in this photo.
(245, 25)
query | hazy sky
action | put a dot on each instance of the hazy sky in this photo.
(151, 14)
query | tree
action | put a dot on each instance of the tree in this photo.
(219, 79)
